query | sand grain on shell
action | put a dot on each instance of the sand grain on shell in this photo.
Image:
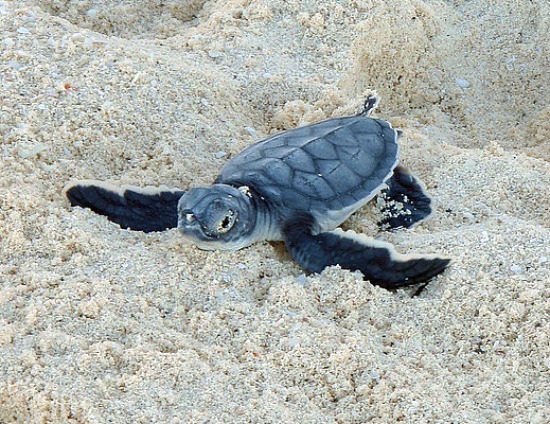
(99, 324)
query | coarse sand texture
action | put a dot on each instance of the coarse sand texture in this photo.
(100, 324)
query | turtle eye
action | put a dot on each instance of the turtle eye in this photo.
(187, 215)
(227, 222)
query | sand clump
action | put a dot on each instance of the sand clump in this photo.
(98, 324)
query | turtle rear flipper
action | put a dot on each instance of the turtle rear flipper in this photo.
(141, 209)
(406, 201)
(378, 261)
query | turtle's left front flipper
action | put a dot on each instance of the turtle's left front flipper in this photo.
(378, 261)
(141, 209)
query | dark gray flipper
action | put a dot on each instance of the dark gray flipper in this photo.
(378, 261)
(406, 201)
(141, 209)
(370, 104)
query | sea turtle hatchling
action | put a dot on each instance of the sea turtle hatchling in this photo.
(297, 186)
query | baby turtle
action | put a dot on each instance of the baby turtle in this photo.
(297, 186)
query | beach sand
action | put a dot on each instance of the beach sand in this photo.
(99, 324)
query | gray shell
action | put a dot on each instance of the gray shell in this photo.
(334, 165)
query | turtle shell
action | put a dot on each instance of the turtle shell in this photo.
(334, 165)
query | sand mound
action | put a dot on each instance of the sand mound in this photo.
(152, 19)
(98, 324)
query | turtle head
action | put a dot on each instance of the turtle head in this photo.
(217, 217)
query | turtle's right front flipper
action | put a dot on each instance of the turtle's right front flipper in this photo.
(378, 261)
(141, 209)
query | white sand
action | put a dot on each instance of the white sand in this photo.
(98, 324)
